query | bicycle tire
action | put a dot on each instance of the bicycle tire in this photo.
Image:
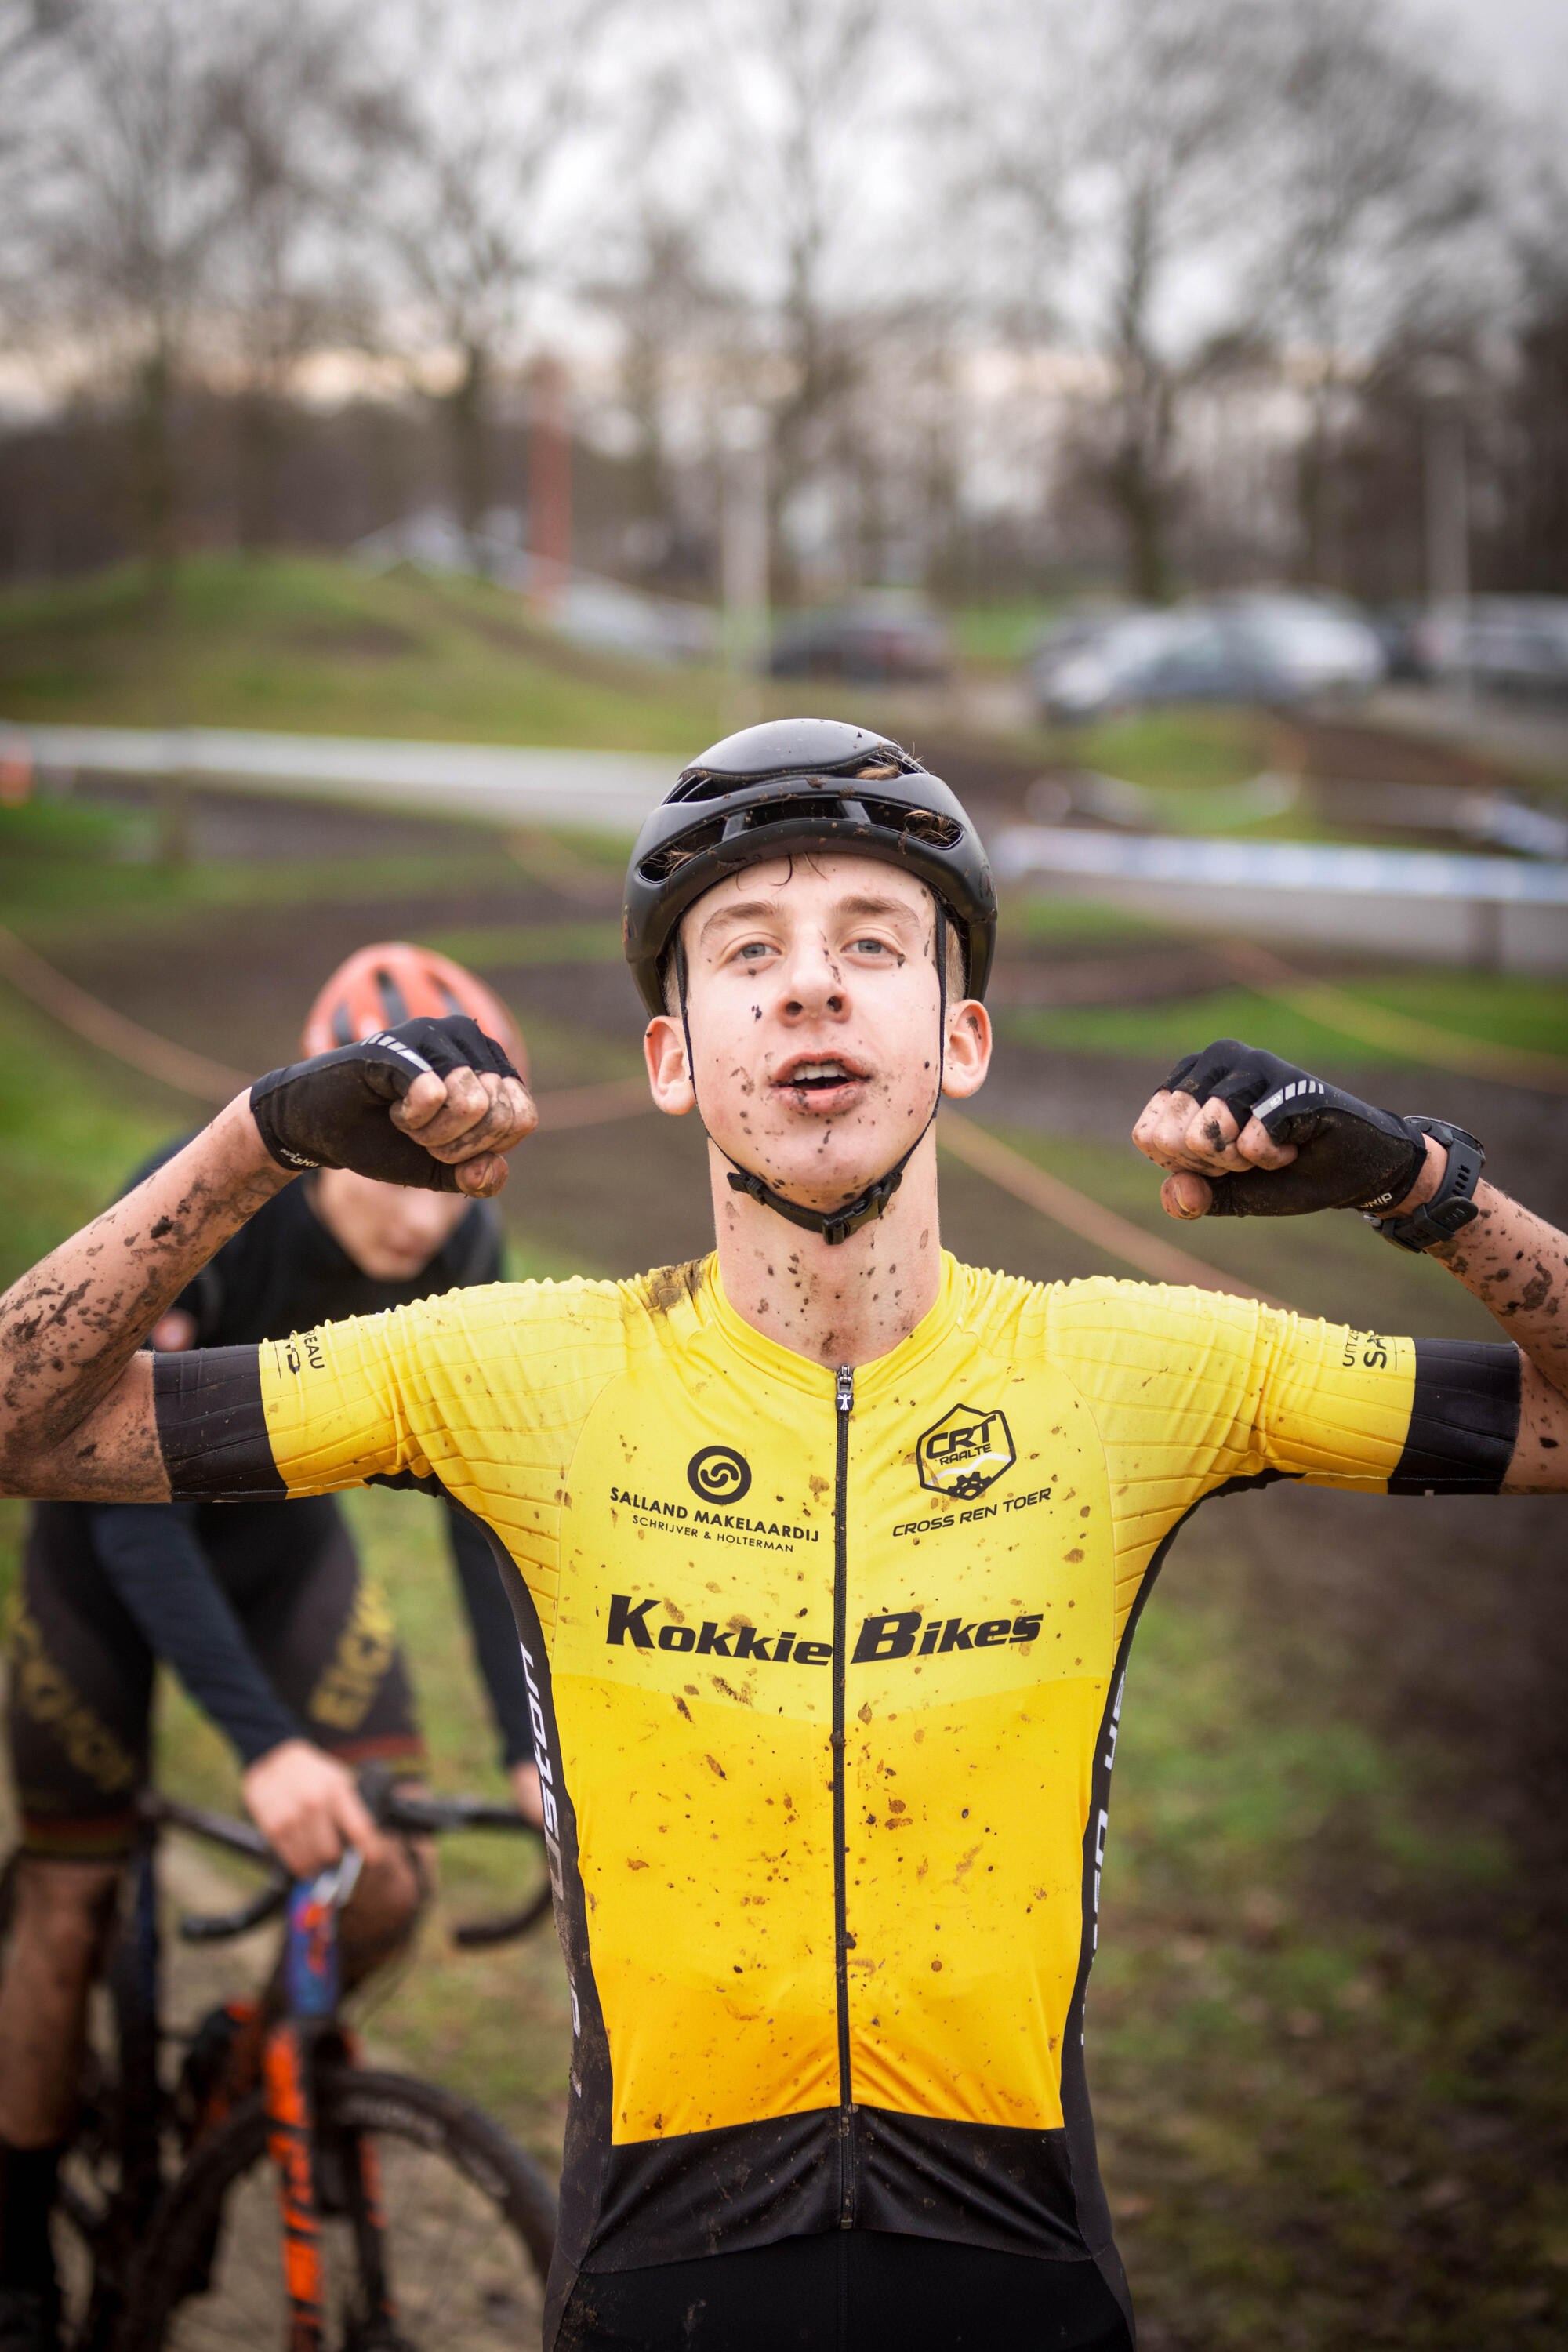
(163, 2314)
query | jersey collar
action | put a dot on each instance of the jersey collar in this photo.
(781, 1365)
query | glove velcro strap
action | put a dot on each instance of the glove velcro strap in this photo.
(1452, 1205)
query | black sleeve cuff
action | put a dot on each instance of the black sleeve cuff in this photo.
(211, 1426)
(1464, 1419)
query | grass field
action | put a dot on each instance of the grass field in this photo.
(308, 644)
(1325, 2035)
(1483, 1008)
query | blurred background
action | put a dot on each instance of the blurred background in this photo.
(423, 427)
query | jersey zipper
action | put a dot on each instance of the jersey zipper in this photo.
(844, 1406)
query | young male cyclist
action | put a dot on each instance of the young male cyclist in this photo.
(263, 1612)
(826, 1550)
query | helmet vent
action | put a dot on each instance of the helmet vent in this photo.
(663, 862)
(893, 816)
(925, 825)
(702, 788)
(394, 1004)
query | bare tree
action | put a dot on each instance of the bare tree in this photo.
(128, 203)
(803, 91)
(32, 63)
(1121, 136)
(289, 96)
(669, 315)
(1179, 86)
(489, 101)
(1378, 188)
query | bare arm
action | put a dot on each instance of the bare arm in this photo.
(1517, 1265)
(76, 1399)
(1508, 1258)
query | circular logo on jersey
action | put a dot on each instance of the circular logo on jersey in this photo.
(718, 1474)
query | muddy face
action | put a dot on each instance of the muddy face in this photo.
(814, 1015)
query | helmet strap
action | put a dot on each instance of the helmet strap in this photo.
(833, 1225)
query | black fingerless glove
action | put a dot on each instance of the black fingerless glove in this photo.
(331, 1111)
(1348, 1155)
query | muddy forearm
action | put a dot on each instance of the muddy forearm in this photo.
(68, 1328)
(1517, 1265)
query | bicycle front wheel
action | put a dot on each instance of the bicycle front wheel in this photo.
(470, 2223)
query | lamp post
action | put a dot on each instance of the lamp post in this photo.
(549, 484)
(744, 438)
(1442, 382)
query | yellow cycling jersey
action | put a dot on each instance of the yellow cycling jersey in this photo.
(827, 1675)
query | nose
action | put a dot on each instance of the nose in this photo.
(811, 980)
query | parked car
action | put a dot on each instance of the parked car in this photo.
(1254, 649)
(1515, 645)
(872, 642)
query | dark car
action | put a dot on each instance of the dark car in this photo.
(1253, 648)
(869, 643)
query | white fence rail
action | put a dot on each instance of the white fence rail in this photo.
(1443, 906)
(614, 790)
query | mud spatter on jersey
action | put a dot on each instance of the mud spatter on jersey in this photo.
(827, 1677)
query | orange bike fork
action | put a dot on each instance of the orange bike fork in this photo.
(292, 2144)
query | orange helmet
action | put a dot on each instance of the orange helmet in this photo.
(379, 986)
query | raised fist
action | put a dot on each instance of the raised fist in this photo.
(1270, 1140)
(430, 1103)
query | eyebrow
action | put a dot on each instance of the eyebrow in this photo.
(752, 909)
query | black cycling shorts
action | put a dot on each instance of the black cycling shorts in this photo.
(80, 1674)
(850, 2291)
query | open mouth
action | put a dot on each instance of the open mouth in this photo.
(826, 1076)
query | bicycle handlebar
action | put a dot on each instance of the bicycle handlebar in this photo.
(397, 1809)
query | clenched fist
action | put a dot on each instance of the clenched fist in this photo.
(1247, 1134)
(430, 1103)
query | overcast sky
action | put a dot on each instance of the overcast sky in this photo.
(1520, 45)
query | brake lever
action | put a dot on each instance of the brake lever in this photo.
(333, 1886)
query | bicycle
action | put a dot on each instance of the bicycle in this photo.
(280, 2193)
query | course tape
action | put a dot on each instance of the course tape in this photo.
(1162, 1261)
(214, 1082)
(1396, 1032)
(154, 1056)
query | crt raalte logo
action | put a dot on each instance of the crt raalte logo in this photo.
(965, 1451)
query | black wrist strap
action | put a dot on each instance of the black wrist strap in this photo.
(1452, 1205)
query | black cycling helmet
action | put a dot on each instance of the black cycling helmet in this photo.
(797, 784)
(803, 785)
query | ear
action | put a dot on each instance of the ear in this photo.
(664, 1051)
(968, 1049)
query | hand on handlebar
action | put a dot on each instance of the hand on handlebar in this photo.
(308, 1807)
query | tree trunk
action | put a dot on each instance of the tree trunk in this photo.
(262, 429)
(1137, 480)
(1314, 496)
(1138, 474)
(152, 486)
(470, 451)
